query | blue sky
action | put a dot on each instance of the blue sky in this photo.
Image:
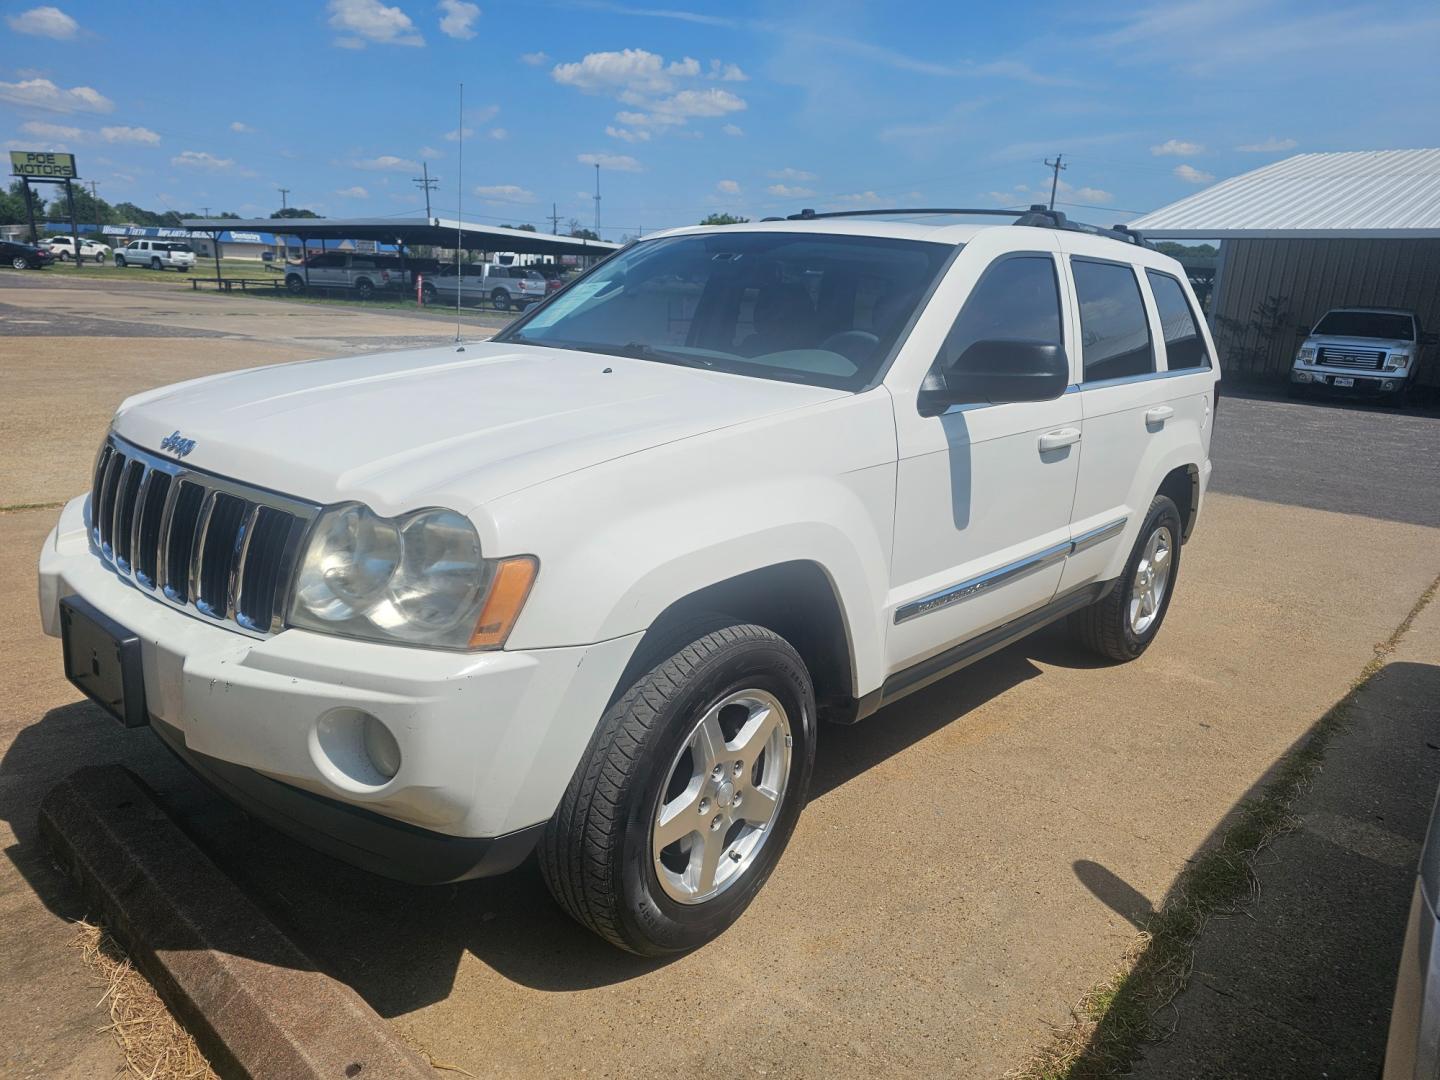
(749, 108)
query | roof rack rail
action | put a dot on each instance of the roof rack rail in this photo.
(1037, 216)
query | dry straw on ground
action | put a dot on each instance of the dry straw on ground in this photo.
(156, 1047)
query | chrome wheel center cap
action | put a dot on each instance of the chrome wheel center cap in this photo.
(725, 794)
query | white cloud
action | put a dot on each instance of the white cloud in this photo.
(655, 89)
(499, 134)
(1192, 175)
(727, 72)
(241, 128)
(141, 135)
(791, 174)
(386, 163)
(44, 94)
(728, 187)
(733, 129)
(785, 191)
(627, 134)
(431, 152)
(47, 21)
(199, 159)
(1177, 148)
(356, 192)
(1093, 195)
(459, 133)
(862, 198)
(362, 21)
(1272, 145)
(51, 131)
(535, 59)
(510, 193)
(458, 18)
(613, 162)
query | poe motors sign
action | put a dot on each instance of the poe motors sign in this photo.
(42, 165)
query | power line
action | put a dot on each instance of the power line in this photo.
(427, 182)
(1055, 178)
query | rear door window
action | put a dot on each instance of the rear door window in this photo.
(1184, 345)
(1114, 330)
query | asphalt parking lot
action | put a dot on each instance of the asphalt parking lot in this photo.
(929, 917)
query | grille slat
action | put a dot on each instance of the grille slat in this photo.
(1368, 359)
(203, 543)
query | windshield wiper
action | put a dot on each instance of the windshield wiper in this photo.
(638, 350)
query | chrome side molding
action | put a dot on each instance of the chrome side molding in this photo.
(1009, 572)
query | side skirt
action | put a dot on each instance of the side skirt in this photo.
(918, 676)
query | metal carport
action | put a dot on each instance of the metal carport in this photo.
(1309, 233)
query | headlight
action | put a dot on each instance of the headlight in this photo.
(418, 579)
(1306, 355)
(1397, 362)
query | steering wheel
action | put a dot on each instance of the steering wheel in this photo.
(855, 345)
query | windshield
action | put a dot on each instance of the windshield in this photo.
(802, 307)
(1375, 324)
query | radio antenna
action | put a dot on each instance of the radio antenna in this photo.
(459, 210)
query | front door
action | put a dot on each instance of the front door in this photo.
(984, 492)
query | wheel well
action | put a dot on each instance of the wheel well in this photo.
(796, 601)
(1182, 485)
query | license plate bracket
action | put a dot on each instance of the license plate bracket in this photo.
(102, 660)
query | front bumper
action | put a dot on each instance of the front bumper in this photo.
(487, 740)
(1365, 382)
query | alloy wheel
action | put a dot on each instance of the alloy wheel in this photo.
(1152, 578)
(722, 796)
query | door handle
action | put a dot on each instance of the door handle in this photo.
(1059, 439)
(1159, 414)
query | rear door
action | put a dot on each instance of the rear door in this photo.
(1142, 417)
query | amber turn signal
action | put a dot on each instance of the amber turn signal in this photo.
(513, 578)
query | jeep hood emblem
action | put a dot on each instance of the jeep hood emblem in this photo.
(176, 444)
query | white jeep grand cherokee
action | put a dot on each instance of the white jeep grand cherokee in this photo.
(590, 586)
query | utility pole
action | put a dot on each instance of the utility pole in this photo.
(1055, 179)
(597, 198)
(283, 192)
(427, 182)
(93, 193)
(554, 221)
(205, 211)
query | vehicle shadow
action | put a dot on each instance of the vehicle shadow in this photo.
(1301, 986)
(1425, 403)
(399, 946)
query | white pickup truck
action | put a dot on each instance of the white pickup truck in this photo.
(63, 248)
(503, 287)
(591, 585)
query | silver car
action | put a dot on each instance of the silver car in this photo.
(1372, 351)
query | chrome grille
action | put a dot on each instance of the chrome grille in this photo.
(213, 547)
(1370, 359)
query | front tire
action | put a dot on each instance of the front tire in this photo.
(1123, 624)
(120, 262)
(19, 262)
(294, 284)
(718, 734)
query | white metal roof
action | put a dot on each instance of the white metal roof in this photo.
(441, 232)
(1386, 194)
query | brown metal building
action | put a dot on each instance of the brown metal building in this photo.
(1310, 233)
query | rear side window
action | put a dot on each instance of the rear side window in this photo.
(1184, 347)
(1115, 332)
(1016, 299)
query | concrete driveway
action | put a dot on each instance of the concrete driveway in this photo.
(928, 918)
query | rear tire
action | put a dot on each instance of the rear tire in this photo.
(99, 257)
(500, 300)
(700, 736)
(364, 289)
(155, 264)
(1122, 625)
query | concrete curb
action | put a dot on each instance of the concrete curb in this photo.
(255, 1003)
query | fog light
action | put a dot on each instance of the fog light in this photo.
(352, 747)
(1300, 376)
(1388, 384)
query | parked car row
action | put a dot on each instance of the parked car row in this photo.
(63, 248)
(504, 287)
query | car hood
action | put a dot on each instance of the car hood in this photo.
(1341, 341)
(450, 426)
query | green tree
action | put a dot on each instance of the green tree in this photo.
(295, 212)
(128, 213)
(12, 205)
(88, 208)
(584, 234)
(724, 219)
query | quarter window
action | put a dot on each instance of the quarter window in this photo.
(1115, 332)
(1184, 347)
(1017, 299)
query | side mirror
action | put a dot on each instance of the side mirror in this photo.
(997, 372)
